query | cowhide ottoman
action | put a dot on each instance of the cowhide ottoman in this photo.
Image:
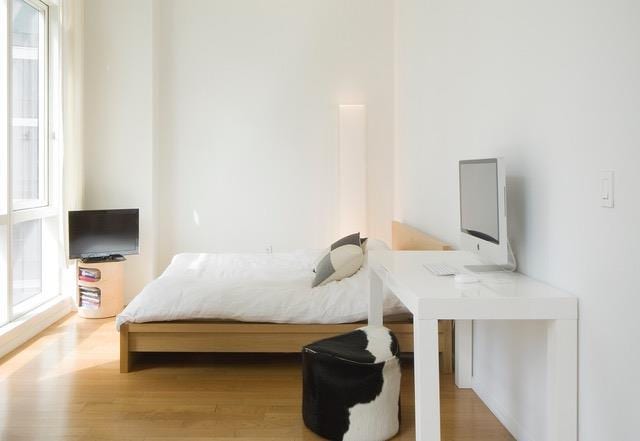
(351, 385)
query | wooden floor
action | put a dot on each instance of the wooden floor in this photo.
(65, 385)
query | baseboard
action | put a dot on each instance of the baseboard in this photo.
(504, 416)
(31, 324)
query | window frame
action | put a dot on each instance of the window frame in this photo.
(46, 208)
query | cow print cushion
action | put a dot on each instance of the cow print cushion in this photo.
(351, 385)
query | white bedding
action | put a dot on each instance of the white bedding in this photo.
(252, 287)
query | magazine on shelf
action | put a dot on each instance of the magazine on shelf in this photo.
(89, 275)
(90, 296)
(89, 305)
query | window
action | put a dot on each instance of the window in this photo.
(29, 261)
(28, 93)
(26, 260)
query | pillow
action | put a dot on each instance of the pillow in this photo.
(353, 239)
(338, 264)
(350, 239)
(319, 259)
(343, 260)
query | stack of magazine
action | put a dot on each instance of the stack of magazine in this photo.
(89, 274)
(89, 297)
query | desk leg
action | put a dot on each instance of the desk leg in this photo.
(464, 353)
(427, 379)
(562, 380)
(376, 299)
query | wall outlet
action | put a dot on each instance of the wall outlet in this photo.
(606, 188)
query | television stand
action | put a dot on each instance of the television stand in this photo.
(100, 287)
(104, 259)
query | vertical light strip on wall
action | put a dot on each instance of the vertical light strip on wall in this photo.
(352, 169)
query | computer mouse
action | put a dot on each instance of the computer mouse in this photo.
(465, 278)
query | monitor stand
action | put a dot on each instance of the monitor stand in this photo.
(104, 259)
(485, 268)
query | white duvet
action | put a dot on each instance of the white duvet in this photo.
(252, 288)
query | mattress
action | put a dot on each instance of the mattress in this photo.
(259, 287)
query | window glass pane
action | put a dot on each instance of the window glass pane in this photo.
(28, 152)
(26, 256)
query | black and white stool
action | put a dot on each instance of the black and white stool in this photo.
(351, 385)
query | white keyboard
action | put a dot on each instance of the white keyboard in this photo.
(440, 269)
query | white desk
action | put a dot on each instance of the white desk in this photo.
(498, 296)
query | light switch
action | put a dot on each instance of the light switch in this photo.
(606, 188)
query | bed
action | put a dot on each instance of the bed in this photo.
(261, 303)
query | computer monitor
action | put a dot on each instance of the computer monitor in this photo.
(483, 216)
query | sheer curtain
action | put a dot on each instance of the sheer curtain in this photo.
(71, 134)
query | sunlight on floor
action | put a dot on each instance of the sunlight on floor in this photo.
(91, 350)
(65, 385)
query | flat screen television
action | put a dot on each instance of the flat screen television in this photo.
(103, 234)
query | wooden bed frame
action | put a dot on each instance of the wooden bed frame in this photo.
(228, 336)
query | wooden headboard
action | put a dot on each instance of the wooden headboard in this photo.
(405, 237)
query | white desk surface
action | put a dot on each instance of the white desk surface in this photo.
(498, 295)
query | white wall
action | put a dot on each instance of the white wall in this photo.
(553, 87)
(222, 118)
(118, 141)
(247, 122)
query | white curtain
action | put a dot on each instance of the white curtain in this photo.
(71, 39)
